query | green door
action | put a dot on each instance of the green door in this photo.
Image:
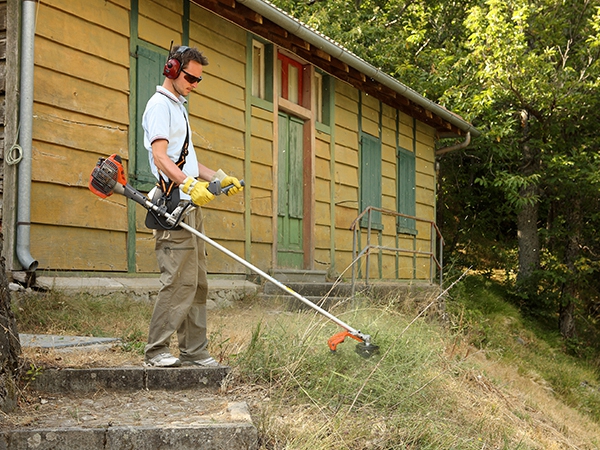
(149, 75)
(290, 186)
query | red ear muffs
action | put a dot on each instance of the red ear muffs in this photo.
(173, 65)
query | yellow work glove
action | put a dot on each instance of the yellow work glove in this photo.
(197, 190)
(226, 180)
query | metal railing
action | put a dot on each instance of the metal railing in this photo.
(436, 242)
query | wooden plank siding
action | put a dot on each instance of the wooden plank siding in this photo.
(80, 113)
(85, 101)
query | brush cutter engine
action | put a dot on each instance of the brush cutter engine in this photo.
(105, 176)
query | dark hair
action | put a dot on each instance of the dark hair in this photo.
(189, 54)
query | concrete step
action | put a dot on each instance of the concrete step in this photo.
(144, 420)
(132, 407)
(313, 289)
(291, 303)
(129, 379)
(375, 289)
(299, 275)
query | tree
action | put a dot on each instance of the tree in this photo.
(538, 66)
(10, 347)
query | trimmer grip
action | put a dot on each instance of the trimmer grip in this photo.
(226, 188)
(214, 187)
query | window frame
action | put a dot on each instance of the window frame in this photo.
(267, 73)
(283, 64)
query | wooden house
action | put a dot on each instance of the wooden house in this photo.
(317, 134)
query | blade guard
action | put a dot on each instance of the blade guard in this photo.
(339, 338)
(107, 173)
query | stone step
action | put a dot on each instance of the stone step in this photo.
(299, 275)
(142, 420)
(313, 289)
(129, 407)
(291, 303)
(129, 379)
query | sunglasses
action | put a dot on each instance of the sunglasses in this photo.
(191, 78)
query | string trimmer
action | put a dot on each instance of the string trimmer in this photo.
(109, 176)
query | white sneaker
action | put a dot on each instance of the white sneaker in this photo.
(163, 360)
(208, 362)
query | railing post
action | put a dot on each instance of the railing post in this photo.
(354, 261)
(369, 247)
(432, 240)
(441, 260)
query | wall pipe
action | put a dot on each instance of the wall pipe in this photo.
(451, 148)
(322, 42)
(26, 137)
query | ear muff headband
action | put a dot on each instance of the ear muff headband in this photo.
(173, 64)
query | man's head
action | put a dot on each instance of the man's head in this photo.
(183, 70)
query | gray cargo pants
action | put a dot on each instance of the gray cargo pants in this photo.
(181, 303)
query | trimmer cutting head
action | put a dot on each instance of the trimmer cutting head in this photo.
(366, 349)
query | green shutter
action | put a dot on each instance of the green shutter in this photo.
(149, 75)
(296, 176)
(370, 178)
(406, 191)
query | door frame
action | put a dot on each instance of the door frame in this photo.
(304, 112)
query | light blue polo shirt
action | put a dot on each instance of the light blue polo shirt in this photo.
(164, 119)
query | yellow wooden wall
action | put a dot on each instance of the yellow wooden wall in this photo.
(323, 223)
(262, 188)
(80, 113)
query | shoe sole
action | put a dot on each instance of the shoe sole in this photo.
(161, 367)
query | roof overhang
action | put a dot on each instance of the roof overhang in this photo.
(275, 25)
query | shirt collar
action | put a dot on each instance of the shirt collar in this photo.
(181, 99)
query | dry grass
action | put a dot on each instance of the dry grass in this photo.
(430, 388)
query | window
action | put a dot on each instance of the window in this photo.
(290, 86)
(370, 179)
(319, 96)
(324, 100)
(259, 59)
(406, 191)
(258, 69)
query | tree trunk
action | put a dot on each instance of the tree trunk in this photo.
(528, 237)
(566, 318)
(527, 216)
(10, 346)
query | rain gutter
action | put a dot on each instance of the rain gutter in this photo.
(26, 137)
(322, 42)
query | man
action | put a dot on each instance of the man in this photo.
(181, 304)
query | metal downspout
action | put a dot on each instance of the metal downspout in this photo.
(284, 20)
(25, 137)
(451, 148)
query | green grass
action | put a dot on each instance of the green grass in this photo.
(475, 374)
